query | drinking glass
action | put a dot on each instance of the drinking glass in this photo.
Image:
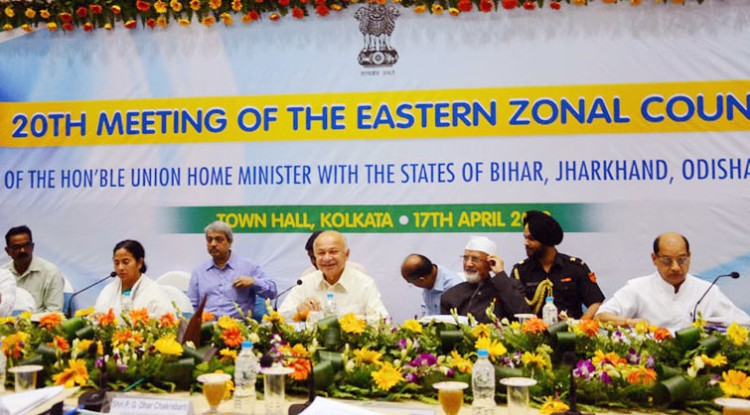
(451, 396)
(734, 406)
(25, 376)
(214, 388)
(273, 389)
(518, 394)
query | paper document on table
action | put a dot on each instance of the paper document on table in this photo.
(23, 402)
(325, 406)
(443, 318)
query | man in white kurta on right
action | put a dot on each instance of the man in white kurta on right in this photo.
(667, 297)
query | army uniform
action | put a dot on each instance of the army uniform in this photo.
(569, 281)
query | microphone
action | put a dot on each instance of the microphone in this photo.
(69, 312)
(266, 361)
(276, 300)
(733, 274)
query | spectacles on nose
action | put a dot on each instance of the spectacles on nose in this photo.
(472, 259)
(667, 261)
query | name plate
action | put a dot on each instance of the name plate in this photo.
(146, 405)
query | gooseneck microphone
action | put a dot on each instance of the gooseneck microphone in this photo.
(733, 274)
(266, 361)
(69, 311)
(276, 300)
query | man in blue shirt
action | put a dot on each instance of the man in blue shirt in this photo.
(433, 279)
(227, 279)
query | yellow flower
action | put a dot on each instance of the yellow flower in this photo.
(226, 18)
(108, 26)
(493, 347)
(459, 362)
(533, 359)
(613, 358)
(9, 11)
(160, 7)
(552, 405)
(176, 6)
(214, 4)
(168, 345)
(13, 344)
(413, 326)
(437, 8)
(716, 361)
(350, 323)
(454, 11)
(195, 4)
(642, 327)
(85, 312)
(46, 15)
(26, 28)
(83, 345)
(635, 2)
(366, 356)
(161, 21)
(227, 353)
(735, 383)
(237, 5)
(7, 320)
(30, 13)
(387, 377)
(274, 316)
(737, 334)
(75, 374)
(481, 330)
(420, 9)
(227, 322)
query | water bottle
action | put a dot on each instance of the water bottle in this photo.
(126, 301)
(245, 374)
(3, 363)
(549, 312)
(483, 385)
(330, 308)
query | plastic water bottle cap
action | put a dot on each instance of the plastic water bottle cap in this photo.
(126, 293)
(550, 299)
(482, 353)
(247, 344)
(329, 295)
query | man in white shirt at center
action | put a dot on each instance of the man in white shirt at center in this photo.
(353, 291)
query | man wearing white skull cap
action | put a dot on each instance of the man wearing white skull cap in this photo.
(481, 288)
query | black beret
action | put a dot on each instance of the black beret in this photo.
(543, 227)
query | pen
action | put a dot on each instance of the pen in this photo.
(75, 410)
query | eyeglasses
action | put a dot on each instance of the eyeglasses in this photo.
(472, 259)
(667, 261)
(19, 247)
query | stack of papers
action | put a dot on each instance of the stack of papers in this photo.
(24, 402)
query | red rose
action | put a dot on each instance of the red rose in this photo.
(67, 26)
(131, 24)
(320, 2)
(151, 23)
(253, 15)
(283, 3)
(529, 5)
(322, 10)
(465, 5)
(96, 9)
(555, 5)
(87, 27)
(82, 12)
(142, 5)
(298, 13)
(510, 4)
(485, 6)
(66, 17)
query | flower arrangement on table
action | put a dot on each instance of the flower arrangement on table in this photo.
(645, 367)
(107, 14)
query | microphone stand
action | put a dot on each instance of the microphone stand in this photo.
(733, 274)
(276, 300)
(570, 358)
(69, 311)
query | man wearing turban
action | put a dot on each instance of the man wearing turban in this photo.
(548, 273)
(481, 290)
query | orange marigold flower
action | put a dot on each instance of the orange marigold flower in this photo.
(437, 8)
(161, 21)
(168, 319)
(26, 28)
(207, 316)
(176, 6)
(237, 5)
(420, 9)
(52, 26)
(10, 12)
(214, 4)
(61, 343)
(534, 326)
(75, 374)
(13, 344)
(208, 21)
(642, 375)
(336, 7)
(635, 2)
(589, 327)
(195, 4)
(50, 320)
(7, 27)
(109, 317)
(662, 334)
(30, 13)
(454, 11)
(232, 337)
(139, 315)
(183, 22)
(45, 14)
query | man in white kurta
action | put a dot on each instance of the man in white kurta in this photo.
(667, 297)
(354, 291)
(7, 292)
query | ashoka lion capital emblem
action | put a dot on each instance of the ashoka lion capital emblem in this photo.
(376, 22)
